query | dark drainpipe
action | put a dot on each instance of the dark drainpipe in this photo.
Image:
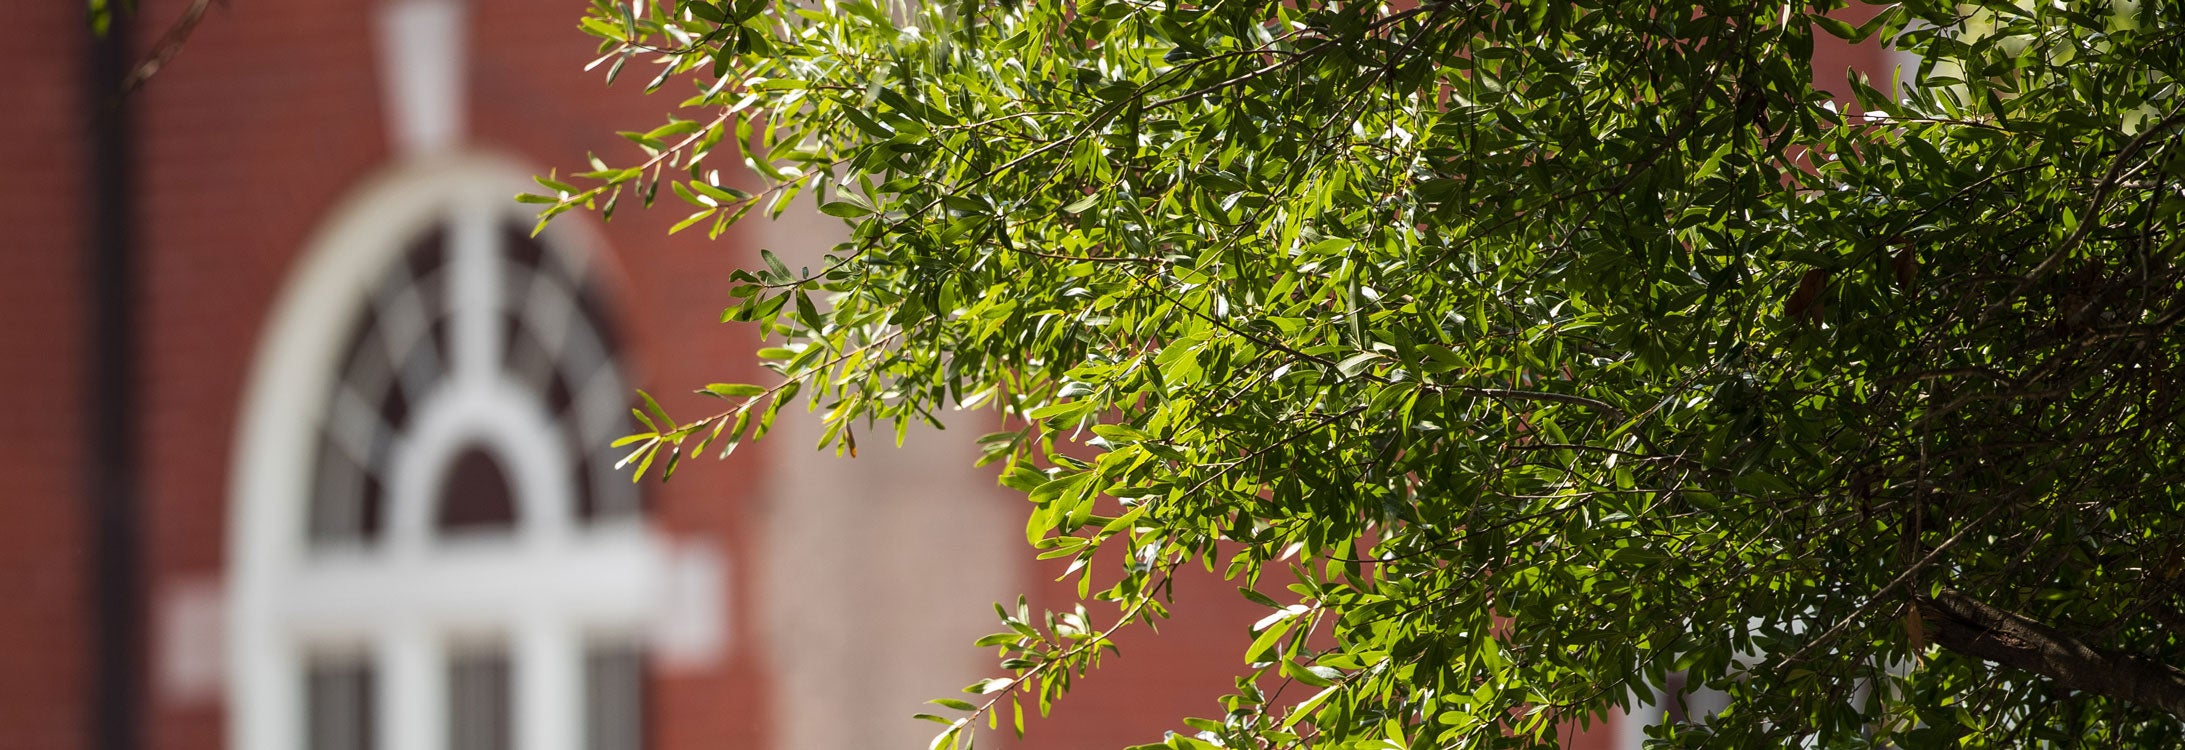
(114, 538)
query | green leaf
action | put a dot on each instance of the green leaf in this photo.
(705, 11)
(844, 209)
(990, 685)
(692, 219)
(1838, 29)
(773, 263)
(719, 193)
(1266, 641)
(674, 127)
(1356, 363)
(653, 407)
(731, 390)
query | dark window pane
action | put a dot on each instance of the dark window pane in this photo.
(521, 249)
(476, 495)
(479, 716)
(614, 698)
(345, 505)
(428, 254)
(339, 706)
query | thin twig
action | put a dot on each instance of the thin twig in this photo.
(169, 45)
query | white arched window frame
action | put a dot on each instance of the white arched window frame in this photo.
(411, 602)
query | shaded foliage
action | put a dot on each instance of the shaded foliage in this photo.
(1542, 350)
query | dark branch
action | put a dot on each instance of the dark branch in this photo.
(1971, 627)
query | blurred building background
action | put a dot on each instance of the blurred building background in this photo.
(305, 437)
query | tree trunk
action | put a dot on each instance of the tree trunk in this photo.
(1971, 627)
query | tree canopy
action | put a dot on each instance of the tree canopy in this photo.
(1540, 350)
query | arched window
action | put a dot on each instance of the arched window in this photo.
(553, 351)
(431, 549)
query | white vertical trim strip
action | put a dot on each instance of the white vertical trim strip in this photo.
(413, 683)
(548, 682)
(421, 68)
(474, 295)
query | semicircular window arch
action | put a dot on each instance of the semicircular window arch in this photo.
(552, 344)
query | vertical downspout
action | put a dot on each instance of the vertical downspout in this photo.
(109, 405)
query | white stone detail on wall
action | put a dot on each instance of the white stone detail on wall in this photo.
(192, 647)
(691, 632)
(421, 70)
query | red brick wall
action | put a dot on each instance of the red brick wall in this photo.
(1156, 678)
(248, 139)
(44, 569)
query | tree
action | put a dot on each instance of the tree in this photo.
(1540, 350)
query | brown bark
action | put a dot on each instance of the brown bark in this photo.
(1971, 627)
